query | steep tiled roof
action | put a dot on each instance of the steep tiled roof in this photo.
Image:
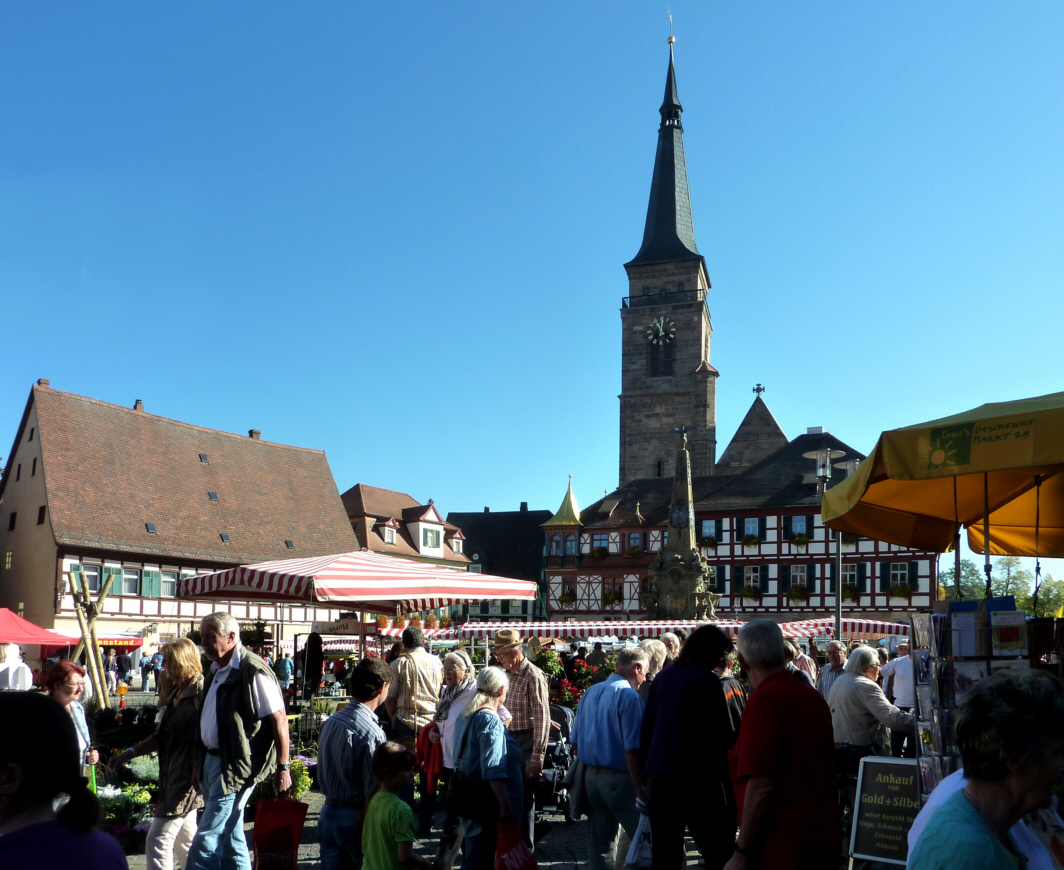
(110, 470)
(568, 514)
(758, 437)
(365, 505)
(784, 479)
(509, 543)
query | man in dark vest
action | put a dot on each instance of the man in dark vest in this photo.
(244, 731)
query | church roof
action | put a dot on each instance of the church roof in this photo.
(785, 479)
(758, 437)
(669, 233)
(568, 514)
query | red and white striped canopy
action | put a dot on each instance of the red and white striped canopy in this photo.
(365, 579)
(591, 629)
(430, 633)
(852, 627)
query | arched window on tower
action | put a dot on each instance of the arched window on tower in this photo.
(556, 545)
(661, 359)
(659, 469)
(570, 545)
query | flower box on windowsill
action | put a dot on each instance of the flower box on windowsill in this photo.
(633, 552)
(849, 539)
(751, 540)
(599, 553)
(611, 600)
(751, 593)
(567, 598)
(798, 593)
(800, 540)
(708, 542)
(900, 591)
(850, 594)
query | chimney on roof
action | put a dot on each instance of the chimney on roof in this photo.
(43, 382)
(524, 507)
(138, 405)
(254, 434)
(815, 430)
(487, 509)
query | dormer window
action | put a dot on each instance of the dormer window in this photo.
(456, 545)
(389, 535)
(430, 538)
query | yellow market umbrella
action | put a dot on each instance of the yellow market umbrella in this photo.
(994, 469)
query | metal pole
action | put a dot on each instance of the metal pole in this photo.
(838, 586)
(986, 530)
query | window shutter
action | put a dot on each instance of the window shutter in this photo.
(862, 576)
(718, 530)
(762, 528)
(786, 526)
(145, 583)
(810, 524)
(764, 579)
(722, 577)
(739, 530)
(785, 574)
(110, 571)
(77, 575)
(914, 576)
(834, 577)
(810, 577)
(738, 577)
(884, 576)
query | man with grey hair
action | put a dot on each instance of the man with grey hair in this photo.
(832, 670)
(605, 737)
(672, 644)
(244, 730)
(788, 813)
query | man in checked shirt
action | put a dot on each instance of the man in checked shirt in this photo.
(527, 701)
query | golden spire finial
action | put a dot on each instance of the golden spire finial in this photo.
(672, 38)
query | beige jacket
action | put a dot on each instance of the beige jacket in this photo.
(860, 712)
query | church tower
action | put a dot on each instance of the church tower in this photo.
(666, 378)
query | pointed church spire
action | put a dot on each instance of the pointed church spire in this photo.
(568, 514)
(670, 230)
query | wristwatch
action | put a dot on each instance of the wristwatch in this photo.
(284, 766)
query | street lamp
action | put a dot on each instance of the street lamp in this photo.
(823, 458)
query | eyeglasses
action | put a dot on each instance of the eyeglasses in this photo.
(75, 686)
(453, 669)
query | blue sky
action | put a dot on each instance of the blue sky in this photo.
(396, 232)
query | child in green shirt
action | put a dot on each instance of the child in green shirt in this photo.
(388, 830)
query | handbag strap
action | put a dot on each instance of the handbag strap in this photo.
(465, 737)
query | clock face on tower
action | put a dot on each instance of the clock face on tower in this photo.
(661, 330)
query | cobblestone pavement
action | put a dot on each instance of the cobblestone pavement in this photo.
(564, 848)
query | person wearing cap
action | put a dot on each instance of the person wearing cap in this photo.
(528, 702)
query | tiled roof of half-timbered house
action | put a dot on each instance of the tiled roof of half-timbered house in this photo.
(123, 480)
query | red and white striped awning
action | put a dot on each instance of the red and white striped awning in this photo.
(600, 628)
(430, 633)
(851, 627)
(365, 579)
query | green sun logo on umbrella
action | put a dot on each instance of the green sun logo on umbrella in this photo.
(949, 447)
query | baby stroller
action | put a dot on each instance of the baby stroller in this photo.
(549, 790)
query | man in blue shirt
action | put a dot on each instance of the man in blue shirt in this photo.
(346, 745)
(606, 738)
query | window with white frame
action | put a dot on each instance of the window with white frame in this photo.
(570, 545)
(899, 573)
(709, 528)
(750, 527)
(849, 575)
(92, 577)
(430, 538)
(456, 545)
(168, 588)
(130, 581)
(556, 545)
(798, 575)
(389, 535)
(752, 574)
(798, 525)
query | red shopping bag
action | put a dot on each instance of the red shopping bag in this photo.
(278, 830)
(511, 853)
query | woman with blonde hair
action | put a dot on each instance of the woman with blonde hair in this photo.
(175, 740)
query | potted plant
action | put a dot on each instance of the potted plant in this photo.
(415, 621)
(445, 622)
(398, 621)
(799, 540)
(849, 539)
(901, 590)
(567, 597)
(382, 620)
(708, 541)
(849, 593)
(599, 552)
(751, 540)
(431, 621)
(798, 593)
(751, 593)
(632, 552)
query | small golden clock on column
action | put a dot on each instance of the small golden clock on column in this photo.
(661, 330)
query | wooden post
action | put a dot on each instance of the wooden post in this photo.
(94, 675)
(94, 649)
(105, 590)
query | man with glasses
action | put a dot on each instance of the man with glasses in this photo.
(833, 669)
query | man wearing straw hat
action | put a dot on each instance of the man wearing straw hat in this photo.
(528, 702)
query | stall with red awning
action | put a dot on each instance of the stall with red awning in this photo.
(15, 629)
(362, 579)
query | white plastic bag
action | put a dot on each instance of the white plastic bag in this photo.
(641, 852)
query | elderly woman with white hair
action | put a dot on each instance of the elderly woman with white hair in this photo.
(658, 653)
(860, 712)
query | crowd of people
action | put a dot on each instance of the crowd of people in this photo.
(737, 745)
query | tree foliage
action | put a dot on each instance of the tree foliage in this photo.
(973, 582)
